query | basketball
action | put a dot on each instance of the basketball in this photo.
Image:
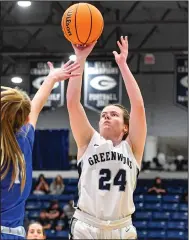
(82, 23)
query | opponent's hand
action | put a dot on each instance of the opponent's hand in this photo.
(123, 46)
(83, 51)
(63, 73)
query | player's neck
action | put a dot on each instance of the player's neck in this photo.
(116, 140)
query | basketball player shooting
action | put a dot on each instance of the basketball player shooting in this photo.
(108, 161)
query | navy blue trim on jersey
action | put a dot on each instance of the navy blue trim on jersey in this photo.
(138, 171)
(79, 168)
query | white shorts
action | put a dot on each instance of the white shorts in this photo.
(81, 230)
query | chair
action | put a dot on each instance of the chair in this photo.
(153, 206)
(143, 215)
(64, 197)
(44, 197)
(33, 214)
(156, 235)
(50, 233)
(73, 181)
(180, 216)
(141, 189)
(176, 225)
(156, 225)
(177, 190)
(140, 224)
(171, 198)
(183, 207)
(152, 198)
(62, 234)
(139, 206)
(70, 189)
(170, 206)
(138, 198)
(45, 204)
(175, 235)
(142, 235)
(33, 205)
(161, 215)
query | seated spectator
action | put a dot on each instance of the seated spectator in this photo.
(184, 198)
(41, 186)
(54, 211)
(44, 220)
(157, 187)
(57, 186)
(69, 209)
(35, 231)
(60, 225)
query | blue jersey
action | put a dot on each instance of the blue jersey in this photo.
(13, 201)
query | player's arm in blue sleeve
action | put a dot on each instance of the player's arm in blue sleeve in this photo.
(55, 75)
(31, 134)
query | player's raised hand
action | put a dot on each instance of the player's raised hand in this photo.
(83, 51)
(64, 72)
(123, 46)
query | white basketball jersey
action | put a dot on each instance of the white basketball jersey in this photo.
(107, 179)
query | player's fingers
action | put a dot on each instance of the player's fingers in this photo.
(120, 46)
(67, 63)
(50, 65)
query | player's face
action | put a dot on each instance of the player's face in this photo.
(35, 231)
(112, 123)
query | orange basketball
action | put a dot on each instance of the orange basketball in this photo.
(82, 23)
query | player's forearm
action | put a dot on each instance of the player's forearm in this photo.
(73, 94)
(42, 94)
(131, 85)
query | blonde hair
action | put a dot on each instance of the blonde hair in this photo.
(15, 108)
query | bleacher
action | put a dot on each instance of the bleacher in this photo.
(156, 217)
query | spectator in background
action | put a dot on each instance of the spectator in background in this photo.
(184, 198)
(155, 164)
(69, 209)
(73, 163)
(158, 187)
(179, 161)
(41, 186)
(54, 211)
(62, 223)
(57, 186)
(35, 231)
(44, 220)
